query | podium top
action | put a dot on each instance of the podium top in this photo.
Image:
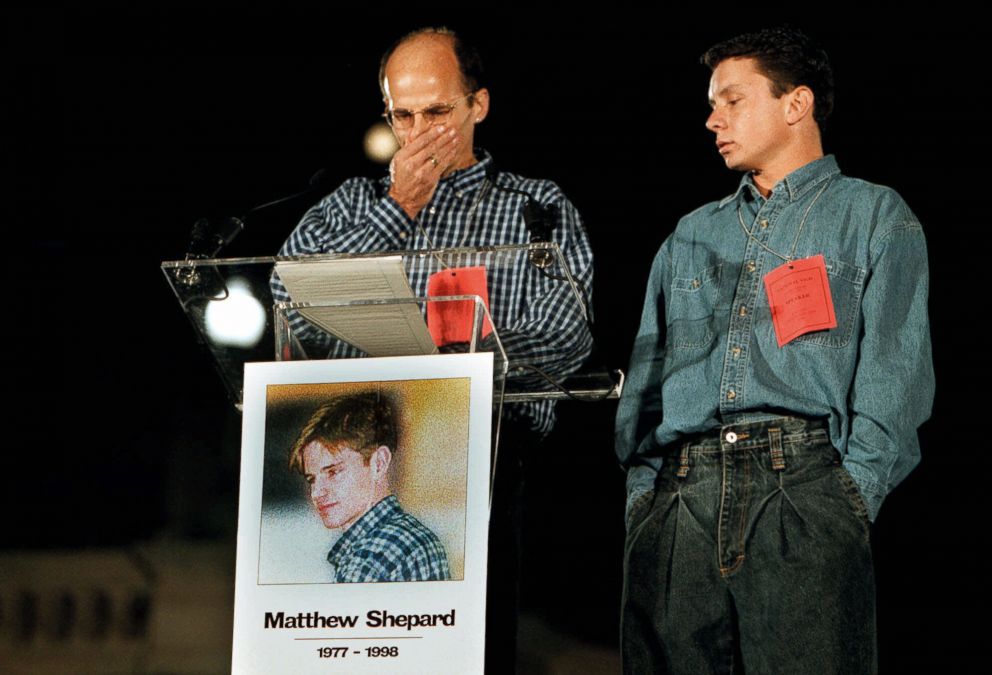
(241, 312)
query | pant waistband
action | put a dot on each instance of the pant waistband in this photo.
(750, 434)
(773, 436)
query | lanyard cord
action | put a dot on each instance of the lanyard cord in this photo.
(483, 191)
(802, 223)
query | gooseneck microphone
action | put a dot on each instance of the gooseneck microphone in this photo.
(540, 221)
(208, 238)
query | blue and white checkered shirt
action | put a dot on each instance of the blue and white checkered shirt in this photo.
(388, 544)
(537, 318)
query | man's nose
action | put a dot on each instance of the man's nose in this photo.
(420, 123)
(319, 487)
(715, 121)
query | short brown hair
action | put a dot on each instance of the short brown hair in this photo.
(361, 422)
(788, 58)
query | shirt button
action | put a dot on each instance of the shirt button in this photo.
(695, 283)
(751, 266)
(731, 395)
(432, 210)
(764, 224)
(730, 437)
(402, 235)
(743, 311)
(459, 194)
(736, 351)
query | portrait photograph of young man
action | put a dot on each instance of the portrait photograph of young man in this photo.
(365, 482)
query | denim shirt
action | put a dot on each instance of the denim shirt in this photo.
(706, 353)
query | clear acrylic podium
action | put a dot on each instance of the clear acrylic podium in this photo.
(231, 307)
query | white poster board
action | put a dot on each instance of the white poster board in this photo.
(295, 611)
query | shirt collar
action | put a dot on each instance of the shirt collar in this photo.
(362, 528)
(796, 184)
(471, 176)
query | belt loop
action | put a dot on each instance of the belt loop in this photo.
(775, 446)
(683, 461)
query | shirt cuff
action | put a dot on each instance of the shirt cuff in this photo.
(871, 491)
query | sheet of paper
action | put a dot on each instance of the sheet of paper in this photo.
(378, 330)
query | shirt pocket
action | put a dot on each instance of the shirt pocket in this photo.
(846, 284)
(692, 308)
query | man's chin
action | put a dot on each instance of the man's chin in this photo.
(338, 523)
(734, 160)
(333, 523)
(733, 163)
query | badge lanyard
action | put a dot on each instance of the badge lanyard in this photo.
(483, 192)
(802, 224)
(798, 291)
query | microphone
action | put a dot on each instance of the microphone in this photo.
(207, 239)
(539, 221)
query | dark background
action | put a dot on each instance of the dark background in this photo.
(121, 127)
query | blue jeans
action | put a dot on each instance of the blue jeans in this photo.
(754, 544)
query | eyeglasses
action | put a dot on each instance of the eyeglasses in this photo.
(400, 118)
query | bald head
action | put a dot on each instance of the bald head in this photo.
(441, 45)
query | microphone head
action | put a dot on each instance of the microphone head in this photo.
(228, 229)
(206, 239)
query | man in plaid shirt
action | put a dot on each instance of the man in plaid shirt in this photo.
(442, 192)
(344, 453)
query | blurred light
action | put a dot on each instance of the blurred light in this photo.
(238, 320)
(380, 144)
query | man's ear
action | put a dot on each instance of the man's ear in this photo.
(480, 104)
(800, 104)
(379, 462)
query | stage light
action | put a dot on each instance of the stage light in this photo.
(237, 320)
(380, 144)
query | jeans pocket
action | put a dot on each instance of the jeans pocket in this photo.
(853, 494)
(638, 507)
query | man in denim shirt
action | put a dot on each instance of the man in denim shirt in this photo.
(761, 439)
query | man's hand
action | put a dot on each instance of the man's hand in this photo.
(418, 166)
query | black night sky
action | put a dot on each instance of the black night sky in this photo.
(120, 127)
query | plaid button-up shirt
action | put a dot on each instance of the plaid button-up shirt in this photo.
(388, 544)
(537, 317)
